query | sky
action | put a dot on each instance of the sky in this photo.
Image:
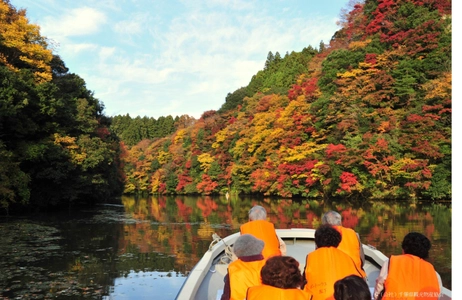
(157, 58)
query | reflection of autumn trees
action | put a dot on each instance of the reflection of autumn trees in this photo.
(207, 206)
(350, 218)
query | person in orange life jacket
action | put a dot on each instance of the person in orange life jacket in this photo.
(245, 271)
(262, 229)
(409, 276)
(351, 288)
(281, 279)
(327, 264)
(351, 243)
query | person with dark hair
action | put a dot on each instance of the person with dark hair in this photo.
(281, 279)
(245, 271)
(327, 264)
(409, 276)
(351, 243)
(351, 288)
(264, 230)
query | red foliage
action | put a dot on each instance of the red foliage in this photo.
(443, 6)
(307, 88)
(429, 150)
(208, 114)
(293, 169)
(183, 180)
(162, 188)
(347, 181)
(382, 144)
(380, 22)
(188, 164)
(261, 181)
(102, 132)
(414, 118)
(332, 149)
(264, 104)
(427, 108)
(371, 58)
(207, 185)
(354, 27)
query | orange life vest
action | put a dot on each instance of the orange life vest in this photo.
(243, 275)
(324, 266)
(350, 245)
(263, 230)
(410, 277)
(268, 292)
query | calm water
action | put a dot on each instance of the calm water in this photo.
(144, 248)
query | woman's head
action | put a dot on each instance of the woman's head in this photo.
(417, 244)
(327, 236)
(351, 287)
(282, 272)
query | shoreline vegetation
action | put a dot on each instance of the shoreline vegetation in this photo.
(365, 116)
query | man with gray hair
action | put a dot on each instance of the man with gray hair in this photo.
(350, 243)
(245, 271)
(259, 227)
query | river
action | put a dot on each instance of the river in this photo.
(143, 248)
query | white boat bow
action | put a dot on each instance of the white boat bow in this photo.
(206, 279)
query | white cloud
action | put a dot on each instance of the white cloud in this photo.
(106, 52)
(135, 24)
(75, 49)
(78, 22)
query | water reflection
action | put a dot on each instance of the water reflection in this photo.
(143, 248)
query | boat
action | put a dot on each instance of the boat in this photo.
(206, 279)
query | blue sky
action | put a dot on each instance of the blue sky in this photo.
(157, 58)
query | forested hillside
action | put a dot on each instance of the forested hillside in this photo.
(367, 117)
(55, 145)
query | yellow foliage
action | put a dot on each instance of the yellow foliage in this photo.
(359, 44)
(156, 180)
(316, 174)
(384, 126)
(399, 168)
(220, 137)
(163, 157)
(180, 134)
(77, 155)
(129, 188)
(67, 141)
(367, 66)
(352, 73)
(239, 148)
(205, 160)
(25, 44)
(439, 88)
(301, 152)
